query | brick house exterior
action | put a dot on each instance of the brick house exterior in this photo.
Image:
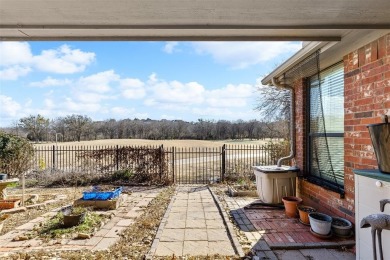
(366, 98)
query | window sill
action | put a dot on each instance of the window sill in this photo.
(325, 184)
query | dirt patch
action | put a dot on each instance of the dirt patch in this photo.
(20, 218)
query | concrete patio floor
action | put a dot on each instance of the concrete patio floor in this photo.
(194, 226)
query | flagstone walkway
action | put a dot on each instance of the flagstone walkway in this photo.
(193, 225)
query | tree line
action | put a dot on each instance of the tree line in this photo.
(80, 127)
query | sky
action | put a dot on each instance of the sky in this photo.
(157, 80)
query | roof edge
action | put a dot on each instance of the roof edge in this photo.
(307, 50)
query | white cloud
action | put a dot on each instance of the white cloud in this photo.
(218, 113)
(169, 117)
(90, 97)
(141, 115)
(175, 92)
(63, 60)
(244, 54)
(15, 53)
(170, 47)
(51, 82)
(49, 103)
(230, 96)
(152, 79)
(132, 88)
(14, 72)
(8, 107)
(17, 59)
(122, 112)
(99, 82)
(77, 107)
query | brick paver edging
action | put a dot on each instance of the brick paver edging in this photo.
(228, 225)
(313, 245)
(153, 248)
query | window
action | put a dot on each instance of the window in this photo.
(326, 128)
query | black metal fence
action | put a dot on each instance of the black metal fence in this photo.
(184, 164)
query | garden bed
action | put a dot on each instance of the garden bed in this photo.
(54, 228)
(25, 214)
(134, 242)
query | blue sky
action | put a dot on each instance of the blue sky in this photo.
(103, 80)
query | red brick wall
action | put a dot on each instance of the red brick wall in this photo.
(367, 97)
(300, 127)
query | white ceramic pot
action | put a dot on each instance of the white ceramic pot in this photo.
(320, 223)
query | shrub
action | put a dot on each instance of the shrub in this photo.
(16, 154)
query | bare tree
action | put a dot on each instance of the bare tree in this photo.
(273, 103)
(78, 125)
(36, 126)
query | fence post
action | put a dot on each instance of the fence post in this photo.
(117, 157)
(223, 154)
(173, 163)
(161, 160)
(54, 157)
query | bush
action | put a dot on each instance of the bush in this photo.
(16, 154)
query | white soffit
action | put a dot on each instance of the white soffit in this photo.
(309, 20)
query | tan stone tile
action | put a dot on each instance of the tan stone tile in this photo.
(173, 223)
(195, 235)
(180, 203)
(125, 222)
(211, 209)
(77, 242)
(170, 234)
(210, 223)
(213, 216)
(169, 249)
(105, 243)
(195, 223)
(133, 214)
(217, 235)
(110, 224)
(196, 248)
(93, 241)
(193, 215)
(27, 226)
(114, 232)
(175, 216)
(178, 209)
(221, 247)
(102, 232)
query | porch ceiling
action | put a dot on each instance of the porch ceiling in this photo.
(324, 20)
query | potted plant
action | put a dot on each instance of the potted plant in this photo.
(341, 227)
(73, 216)
(320, 223)
(304, 214)
(290, 205)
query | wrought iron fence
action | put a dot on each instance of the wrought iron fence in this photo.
(182, 164)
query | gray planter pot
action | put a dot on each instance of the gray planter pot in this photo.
(344, 230)
(320, 223)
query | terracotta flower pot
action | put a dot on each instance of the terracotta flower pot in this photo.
(290, 205)
(304, 214)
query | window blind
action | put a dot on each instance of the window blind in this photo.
(326, 126)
